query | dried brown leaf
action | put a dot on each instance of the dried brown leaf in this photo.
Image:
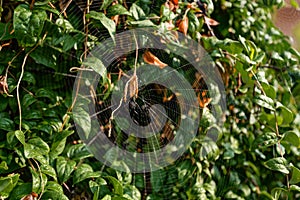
(153, 60)
(3, 85)
(183, 25)
(210, 21)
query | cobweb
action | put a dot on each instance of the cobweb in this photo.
(155, 104)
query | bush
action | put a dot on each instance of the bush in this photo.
(257, 152)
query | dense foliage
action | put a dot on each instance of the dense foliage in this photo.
(257, 155)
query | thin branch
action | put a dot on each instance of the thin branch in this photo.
(19, 82)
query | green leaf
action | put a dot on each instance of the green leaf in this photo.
(96, 64)
(7, 184)
(21, 190)
(54, 186)
(5, 31)
(105, 4)
(141, 23)
(27, 100)
(117, 9)
(276, 192)
(291, 138)
(131, 192)
(157, 180)
(28, 24)
(36, 148)
(82, 118)
(78, 152)
(265, 102)
(294, 3)
(286, 113)
(277, 164)
(65, 24)
(64, 168)
(265, 140)
(35, 145)
(3, 166)
(39, 181)
(295, 188)
(48, 170)
(6, 124)
(118, 189)
(21, 136)
(105, 21)
(269, 90)
(54, 195)
(295, 176)
(137, 12)
(59, 142)
(45, 56)
(84, 171)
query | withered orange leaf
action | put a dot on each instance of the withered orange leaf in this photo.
(153, 60)
(203, 99)
(183, 25)
(210, 21)
(175, 2)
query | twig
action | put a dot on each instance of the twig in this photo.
(135, 86)
(19, 81)
(81, 68)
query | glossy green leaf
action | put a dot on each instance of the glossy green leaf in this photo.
(105, 4)
(82, 118)
(21, 190)
(39, 181)
(277, 164)
(117, 9)
(291, 138)
(265, 102)
(84, 171)
(28, 100)
(295, 188)
(286, 113)
(295, 175)
(137, 12)
(106, 22)
(78, 152)
(54, 186)
(96, 64)
(54, 195)
(48, 170)
(36, 145)
(118, 189)
(6, 124)
(157, 180)
(64, 168)
(21, 136)
(7, 184)
(28, 24)
(59, 142)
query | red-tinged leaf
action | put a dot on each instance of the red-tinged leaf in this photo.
(210, 21)
(153, 60)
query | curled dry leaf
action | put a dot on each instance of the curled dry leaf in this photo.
(3, 85)
(210, 21)
(153, 60)
(183, 25)
(133, 87)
